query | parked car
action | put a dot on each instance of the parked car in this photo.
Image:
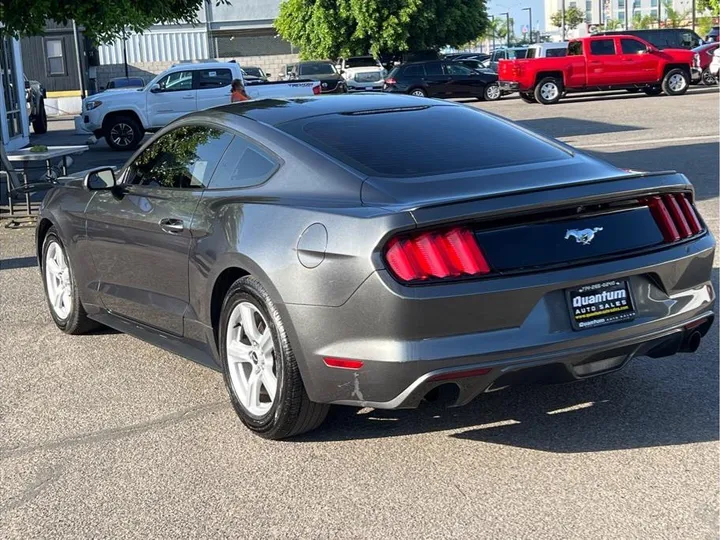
(715, 64)
(442, 79)
(123, 117)
(511, 53)
(712, 35)
(701, 65)
(547, 50)
(662, 38)
(362, 73)
(600, 63)
(35, 99)
(125, 82)
(331, 82)
(366, 250)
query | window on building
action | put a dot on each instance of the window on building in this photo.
(621, 16)
(621, 4)
(573, 4)
(55, 60)
(654, 13)
(653, 3)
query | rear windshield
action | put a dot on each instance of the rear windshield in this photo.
(360, 61)
(422, 141)
(317, 69)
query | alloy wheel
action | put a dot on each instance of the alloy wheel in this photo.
(418, 93)
(677, 83)
(57, 277)
(122, 134)
(708, 78)
(251, 359)
(493, 92)
(549, 91)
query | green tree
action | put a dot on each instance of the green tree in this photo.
(704, 25)
(713, 6)
(613, 24)
(642, 22)
(673, 17)
(573, 18)
(333, 28)
(103, 20)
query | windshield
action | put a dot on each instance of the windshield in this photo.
(317, 69)
(360, 61)
(254, 71)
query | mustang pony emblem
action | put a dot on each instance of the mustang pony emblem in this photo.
(583, 236)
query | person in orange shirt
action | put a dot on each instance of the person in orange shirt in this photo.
(238, 91)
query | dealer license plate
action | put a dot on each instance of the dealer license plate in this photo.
(601, 303)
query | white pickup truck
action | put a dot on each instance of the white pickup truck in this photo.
(123, 117)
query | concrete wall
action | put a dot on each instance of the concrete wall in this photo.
(272, 64)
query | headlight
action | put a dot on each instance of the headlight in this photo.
(90, 105)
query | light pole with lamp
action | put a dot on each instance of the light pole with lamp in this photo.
(507, 27)
(529, 10)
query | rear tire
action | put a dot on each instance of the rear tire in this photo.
(548, 91)
(251, 327)
(418, 92)
(527, 97)
(40, 122)
(61, 289)
(492, 92)
(123, 133)
(676, 82)
(708, 79)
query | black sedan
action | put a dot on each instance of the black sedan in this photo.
(366, 250)
(442, 79)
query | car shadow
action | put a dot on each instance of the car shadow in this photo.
(697, 161)
(561, 126)
(653, 402)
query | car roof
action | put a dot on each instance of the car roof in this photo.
(274, 111)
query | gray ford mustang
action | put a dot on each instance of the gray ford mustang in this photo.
(366, 250)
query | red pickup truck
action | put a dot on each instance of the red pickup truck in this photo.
(599, 63)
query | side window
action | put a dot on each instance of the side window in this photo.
(243, 165)
(185, 158)
(631, 46)
(212, 78)
(178, 81)
(454, 69)
(556, 53)
(414, 70)
(575, 48)
(433, 68)
(602, 47)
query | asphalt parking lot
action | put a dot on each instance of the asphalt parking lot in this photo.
(104, 436)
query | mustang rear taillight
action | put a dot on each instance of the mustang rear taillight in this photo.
(316, 90)
(436, 255)
(675, 216)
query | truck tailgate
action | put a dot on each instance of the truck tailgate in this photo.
(283, 89)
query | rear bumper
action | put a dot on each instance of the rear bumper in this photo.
(406, 336)
(509, 87)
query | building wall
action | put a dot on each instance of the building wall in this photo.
(36, 64)
(158, 44)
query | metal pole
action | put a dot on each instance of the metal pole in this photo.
(563, 19)
(600, 12)
(492, 18)
(79, 61)
(125, 53)
(626, 14)
(529, 10)
(693, 15)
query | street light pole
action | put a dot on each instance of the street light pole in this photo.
(693, 15)
(529, 10)
(563, 19)
(507, 27)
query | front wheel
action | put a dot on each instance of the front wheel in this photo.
(708, 78)
(123, 133)
(676, 82)
(492, 92)
(61, 289)
(549, 91)
(527, 97)
(261, 374)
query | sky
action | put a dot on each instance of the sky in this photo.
(514, 7)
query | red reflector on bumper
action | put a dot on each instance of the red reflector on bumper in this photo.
(343, 363)
(460, 374)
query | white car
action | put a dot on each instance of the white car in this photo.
(547, 50)
(362, 73)
(715, 64)
(124, 116)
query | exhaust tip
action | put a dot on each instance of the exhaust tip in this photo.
(692, 342)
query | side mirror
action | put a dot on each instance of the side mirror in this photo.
(100, 179)
(155, 88)
(268, 74)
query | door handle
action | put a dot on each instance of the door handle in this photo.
(189, 97)
(172, 225)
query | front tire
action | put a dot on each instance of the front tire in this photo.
(123, 133)
(61, 289)
(40, 122)
(549, 91)
(492, 92)
(708, 79)
(676, 82)
(261, 374)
